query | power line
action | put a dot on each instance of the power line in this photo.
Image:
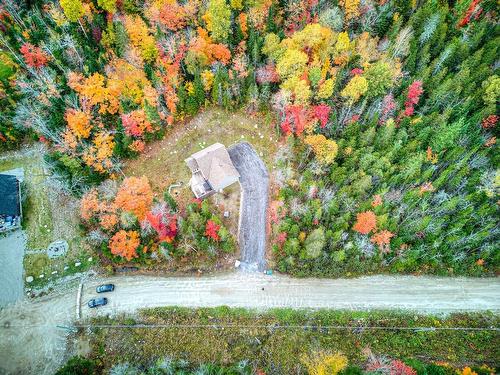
(274, 327)
(217, 326)
(261, 326)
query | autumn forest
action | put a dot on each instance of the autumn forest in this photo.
(376, 120)
(386, 110)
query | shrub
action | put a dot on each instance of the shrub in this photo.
(77, 366)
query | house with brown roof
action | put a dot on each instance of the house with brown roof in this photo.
(212, 170)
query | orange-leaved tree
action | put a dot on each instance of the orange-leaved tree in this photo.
(135, 195)
(98, 155)
(78, 123)
(382, 239)
(125, 244)
(108, 220)
(173, 16)
(89, 205)
(365, 222)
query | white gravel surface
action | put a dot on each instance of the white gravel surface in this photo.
(420, 294)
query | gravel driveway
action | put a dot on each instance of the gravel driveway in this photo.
(30, 341)
(12, 247)
(254, 181)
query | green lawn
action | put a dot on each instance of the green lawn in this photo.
(37, 213)
(41, 224)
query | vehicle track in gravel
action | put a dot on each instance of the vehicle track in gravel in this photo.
(254, 182)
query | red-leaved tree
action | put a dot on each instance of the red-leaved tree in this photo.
(164, 225)
(33, 56)
(413, 97)
(211, 230)
(321, 112)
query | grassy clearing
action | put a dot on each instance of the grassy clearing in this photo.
(40, 264)
(255, 337)
(47, 216)
(163, 161)
(37, 220)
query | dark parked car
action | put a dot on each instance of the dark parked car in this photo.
(105, 288)
(96, 302)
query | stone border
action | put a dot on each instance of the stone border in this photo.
(79, 300)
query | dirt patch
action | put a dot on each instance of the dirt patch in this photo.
(82, 347)
(30, 340)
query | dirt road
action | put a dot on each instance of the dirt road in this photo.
(30, 342)
(254, 181)
(421, 294)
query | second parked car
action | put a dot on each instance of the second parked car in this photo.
(105, 288)
(96, 302)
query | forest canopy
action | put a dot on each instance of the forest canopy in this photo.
(387, 109)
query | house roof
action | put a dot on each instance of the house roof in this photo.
(215, 165)
(9, 195)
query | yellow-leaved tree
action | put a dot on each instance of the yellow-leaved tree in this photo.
(324, 363)
(141, 38)
(325, 149)
(351, 8)
(356, 88)
(218, 20)
(73, 9)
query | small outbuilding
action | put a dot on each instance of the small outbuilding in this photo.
(212, 170)
(10, 202)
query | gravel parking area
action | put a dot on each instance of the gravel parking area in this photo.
(254, 183)
(12, 247)
(32, 335)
